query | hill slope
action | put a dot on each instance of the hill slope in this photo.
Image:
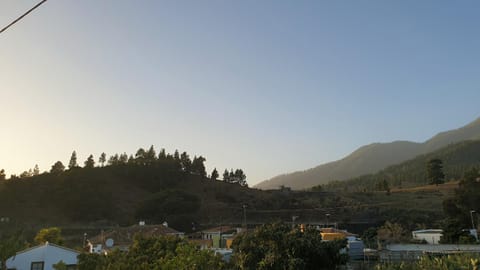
(124, 194)
(457, 159)
(370, 159)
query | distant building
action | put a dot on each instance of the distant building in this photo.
(217, 237)
(411, 252)
(220, 236)
(431, 236)
(43, 257)
(122, 237)
(355, 245)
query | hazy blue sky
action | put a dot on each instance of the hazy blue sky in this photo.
(266, 86)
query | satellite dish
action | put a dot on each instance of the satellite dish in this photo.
(109, 242)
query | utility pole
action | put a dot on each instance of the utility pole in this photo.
(471, 217)
(473, 223)
(327, 215)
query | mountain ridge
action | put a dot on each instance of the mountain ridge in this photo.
(371, 158)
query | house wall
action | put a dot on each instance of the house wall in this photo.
(48, 254)
(431, 238)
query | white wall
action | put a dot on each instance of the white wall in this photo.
(47, 253)
(431, 238)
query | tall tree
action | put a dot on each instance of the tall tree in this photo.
(162, 155)
(185, 162)
(10, 243)
(214, 175)
(226, 176)
(176, 156)
(435, 173)
(240, 177)
(123, 159)
(52, 235)
(102, 159)
(114, 160)
(73, 161)
(3, 176)
(57, 168)
(90, 162)
(198, 167)
(36, 170)
(140, 156)
(150, 156)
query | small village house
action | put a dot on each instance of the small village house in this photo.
(122, 237)
(43, 257)
(431, 236)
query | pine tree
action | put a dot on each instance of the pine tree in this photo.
(123, 159)
(73, 161)
(150, 156)
(90, 162)
(162, 155)
(226, 176)
(214, 175)
(3, 176)
(36, 170)
(58, 167)
(140, 156)
(185, 162)
(102, 159)
(198, 167)
(435, 173)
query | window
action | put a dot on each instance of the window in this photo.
(37, 266)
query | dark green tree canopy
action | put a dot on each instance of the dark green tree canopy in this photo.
(73, 161)
(198, 167)
(102, 159)
(277, 246)
(435, 173)
(158, 253)
(214, 175)
(58, 167)
(90, 162)
(51, 235)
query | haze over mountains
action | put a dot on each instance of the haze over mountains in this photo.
(370, 159)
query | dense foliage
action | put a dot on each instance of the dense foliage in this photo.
(451, 262)
(277, 246)
(11, 241)
(52, 235)
(121, 190)
(462, 209)
(154, 253)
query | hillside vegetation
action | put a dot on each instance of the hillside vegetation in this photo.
(371, 159)
(457, 159)
(169, 188)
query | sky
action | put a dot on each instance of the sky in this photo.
(268, 86)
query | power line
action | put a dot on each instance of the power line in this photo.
(21, 17)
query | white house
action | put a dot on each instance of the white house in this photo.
(43, 257)
(431, 236)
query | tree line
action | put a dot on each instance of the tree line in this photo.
(178, 161)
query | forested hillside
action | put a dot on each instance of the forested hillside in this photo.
(457, 159)
(371, 159)
(125, 189)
